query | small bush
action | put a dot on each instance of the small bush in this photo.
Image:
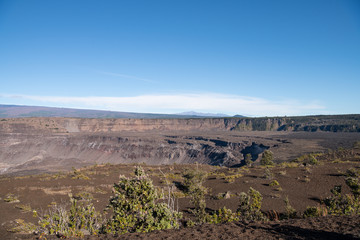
(231, 178)
(312, 160)
(339, 204)
(81, 219)
(248, 160)
(267, 158)
(308, 159)
(173, 176)
(11, 198)
(274, 183)
(219, 175)
(22, 227)
(354, 186)
(24, 208)
(289, 164)
(223, 215)
(319, 211)
(290, 212)
(268, 174)
(250, 206)
(348, 204)
(77, 174)
(352, 172)
(135, 207)
(190, 223)
(83, 196)
(194, 187)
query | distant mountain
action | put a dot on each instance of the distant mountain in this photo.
(18, 111)
(198, 114)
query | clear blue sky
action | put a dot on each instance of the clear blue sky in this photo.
(255, 58)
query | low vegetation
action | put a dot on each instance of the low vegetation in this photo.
(193, 184)
(250, 206)
(135, 208)
(11, 198)
(274, 183)
(81, 219)
(137, 205)
(290, 212)
(267, 158)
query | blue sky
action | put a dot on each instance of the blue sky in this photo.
(255, 58)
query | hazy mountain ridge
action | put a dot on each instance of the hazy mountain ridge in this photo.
(199, 114)
(18, 111)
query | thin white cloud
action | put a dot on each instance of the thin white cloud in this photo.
(127, 76)
(205, 102)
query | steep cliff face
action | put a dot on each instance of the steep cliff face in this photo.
(46, 152)
(332, 123)
(336, 123)
(54, 144)
(69, 125)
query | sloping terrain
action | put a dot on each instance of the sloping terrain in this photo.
(327, 228)
(303, 185)
(34, 145)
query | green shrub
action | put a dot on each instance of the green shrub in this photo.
(248, 160)
(83, 196)
(11, 198)
(352, 172)
(312, 160)
(22, 227)
(223, 215)
(194, 179)
(311, 212)
(194, 187)
(268, 174)
(354, 186)
(135, 208)
(250, 206)
(308, 159)
(77, 174)
(289, 164)
(190, 223)
(274, 183)
(24, 208)
(318, 211)
(231, 178)
(81, 219)
(339, 204)
(219, 175)
(290, 212)
(267, 158)
(82, 215)
(345, 204)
